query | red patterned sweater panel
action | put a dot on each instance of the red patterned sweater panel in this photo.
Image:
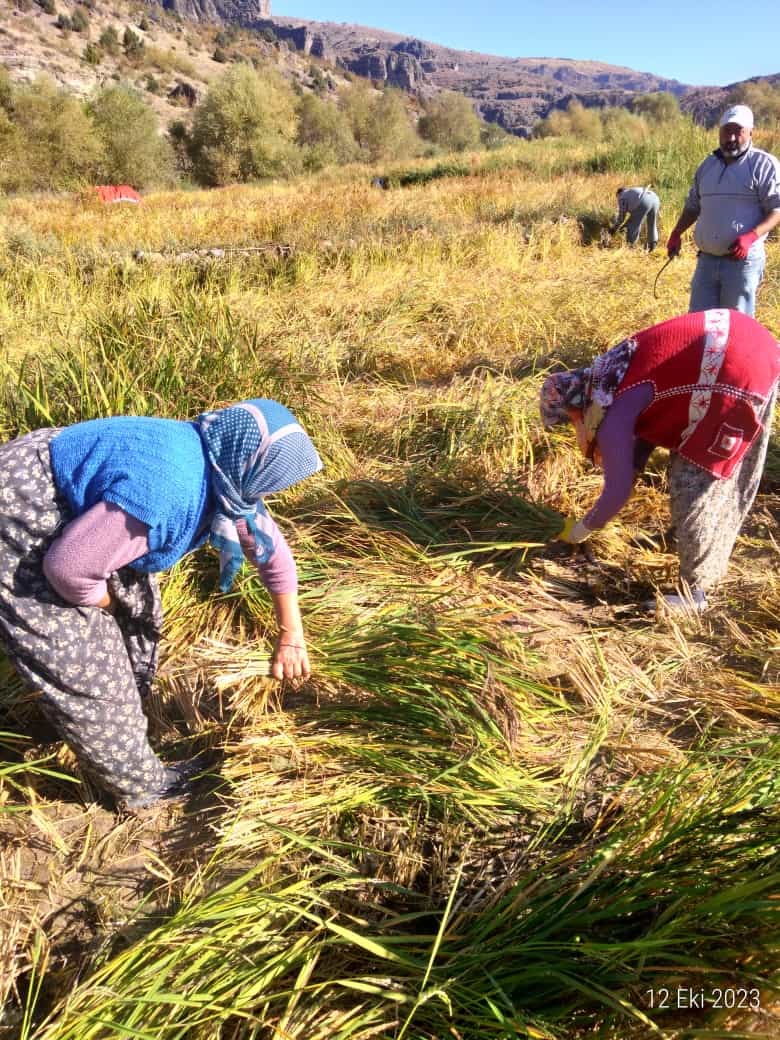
(712, 373)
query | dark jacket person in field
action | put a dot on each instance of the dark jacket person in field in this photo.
(88, 515)
(702, 385)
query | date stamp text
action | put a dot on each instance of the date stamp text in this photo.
(703, 998)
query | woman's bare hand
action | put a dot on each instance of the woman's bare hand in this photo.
(290, 659)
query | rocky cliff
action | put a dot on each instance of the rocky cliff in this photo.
(513, 92)
(242, 12)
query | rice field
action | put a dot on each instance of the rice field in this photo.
(507, 803)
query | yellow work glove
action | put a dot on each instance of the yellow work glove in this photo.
(573, 532)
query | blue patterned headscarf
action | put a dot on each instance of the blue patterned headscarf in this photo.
(255, 448)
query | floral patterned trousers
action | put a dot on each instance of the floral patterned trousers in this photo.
(707, 513)
(91, 667)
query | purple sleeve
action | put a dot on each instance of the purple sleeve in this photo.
(90, 548)
(279, 574)
(622, 453)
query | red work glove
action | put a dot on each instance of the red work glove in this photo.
(674, 245)
(740, 247)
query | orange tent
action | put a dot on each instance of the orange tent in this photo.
(117, 193)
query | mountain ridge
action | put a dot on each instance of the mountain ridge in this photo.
(514, 93)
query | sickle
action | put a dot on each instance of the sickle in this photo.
(655, 283)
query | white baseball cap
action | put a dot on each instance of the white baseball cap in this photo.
(739, 114)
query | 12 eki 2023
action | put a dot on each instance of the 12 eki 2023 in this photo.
(700, 998)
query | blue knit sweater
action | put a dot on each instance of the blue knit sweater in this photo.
(154, 469)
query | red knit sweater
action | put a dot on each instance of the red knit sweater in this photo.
(711, 373)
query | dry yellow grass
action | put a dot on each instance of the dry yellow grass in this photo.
(456, 699)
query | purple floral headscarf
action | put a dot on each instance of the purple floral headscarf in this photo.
(590, 390)
(560, 392)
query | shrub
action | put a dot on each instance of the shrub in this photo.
(450, 122)
(132, 45)
(244, 128)
(220, 55)
(48, 6)
(380, 124)
(93, 55)
(179, 140)
(169, 61)
(658, 107)
(6, 91)
(318, 82)
(79, 20)
(492, 136)
(324, 133)
(109, 40)
(54, 145)
(63, 23)
(621, 125)
(585, 122)
(134, 152)
(764, 99)
(576, 121)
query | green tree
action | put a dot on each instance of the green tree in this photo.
(133, 150)
(179, 138)
(493, 136)
(324, 133)
(763, 98)
(585, 122)
(658, 107)
(555, 124)
(380, 123)
(56, 142)
(620, 125)
(450, 122)
(244, 128)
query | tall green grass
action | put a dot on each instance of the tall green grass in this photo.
(571, 940)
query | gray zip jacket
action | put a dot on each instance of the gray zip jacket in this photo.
(731, 198)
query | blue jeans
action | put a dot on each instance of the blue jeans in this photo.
(719, 281)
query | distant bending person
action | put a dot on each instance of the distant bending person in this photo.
(637, 205)
(734, 202)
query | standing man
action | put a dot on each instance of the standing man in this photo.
(637, 204)
(735, 202)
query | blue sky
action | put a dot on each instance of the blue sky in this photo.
(706, 42)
